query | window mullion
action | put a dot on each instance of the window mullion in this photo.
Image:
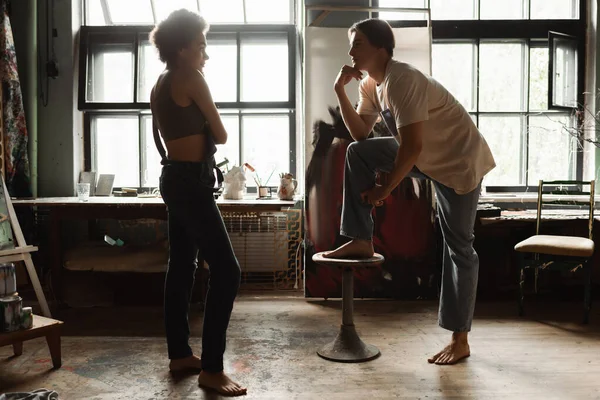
(154, 15)
(238, 40)
(106, 11)
(143, 156)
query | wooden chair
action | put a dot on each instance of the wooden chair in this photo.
(559, 252)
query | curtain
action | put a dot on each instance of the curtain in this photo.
(16, 161)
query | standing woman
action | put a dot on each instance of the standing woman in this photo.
(187, 118)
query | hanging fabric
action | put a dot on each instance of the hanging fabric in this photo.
(16, 161)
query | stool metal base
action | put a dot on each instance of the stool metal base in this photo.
(348, 347)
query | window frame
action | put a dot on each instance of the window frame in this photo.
(138, 34)
(530, 30)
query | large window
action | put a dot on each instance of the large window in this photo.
(256, 97)
(495, 57)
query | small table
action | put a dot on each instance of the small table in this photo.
(347, 346)
(42, 326)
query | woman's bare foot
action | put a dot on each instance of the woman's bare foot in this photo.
(183, 364)
(221, 383)
(457, 350)
(356, 248)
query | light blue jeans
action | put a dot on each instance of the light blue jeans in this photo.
(456, 214)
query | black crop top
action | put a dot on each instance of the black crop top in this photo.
(174, 120)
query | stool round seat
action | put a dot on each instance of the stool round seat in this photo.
(371, 262)
(347, 346)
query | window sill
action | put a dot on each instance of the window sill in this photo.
(525, 198)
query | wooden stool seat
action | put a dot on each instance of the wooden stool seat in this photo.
(347, 346)
(42, 326)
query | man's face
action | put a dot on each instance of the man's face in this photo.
(361, 51)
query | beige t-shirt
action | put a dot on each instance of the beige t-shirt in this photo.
(454, 152)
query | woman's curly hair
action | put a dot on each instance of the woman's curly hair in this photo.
(176, 32)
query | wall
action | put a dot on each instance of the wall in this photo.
(58, 125)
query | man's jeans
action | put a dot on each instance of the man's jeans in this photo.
(456, 215)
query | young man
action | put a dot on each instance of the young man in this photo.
(434, 138)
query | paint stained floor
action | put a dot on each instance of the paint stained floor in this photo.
(120, 353)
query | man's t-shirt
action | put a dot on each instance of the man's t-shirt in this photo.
(454, 152)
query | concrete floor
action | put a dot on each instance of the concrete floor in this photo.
(121, 353)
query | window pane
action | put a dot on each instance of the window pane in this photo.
(269, 11)
(95, 15)
(503, 134)
(165, 7)
(538, 78)
(551, 150)
(453, 66)
(453, 9)
(222, 11)
(130, 12)
(265, 81)
(554, 9)
(150, 68)
(564, 79)
(221, 69)
(230, 150)
(504, 9)
(501, 77)
(111, 70)
(402, 16)
(266, 146)
(117, 149)
(151, 166)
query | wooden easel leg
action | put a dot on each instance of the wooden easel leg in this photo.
(36, 285)
(53, 340)
(18, 348)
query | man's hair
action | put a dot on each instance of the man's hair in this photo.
(176, 32)
(378, 32)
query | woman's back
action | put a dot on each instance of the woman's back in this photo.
(181, 123)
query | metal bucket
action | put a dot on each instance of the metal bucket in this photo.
(8, 280)
(11, 309)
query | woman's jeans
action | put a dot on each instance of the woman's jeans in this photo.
(196, 228)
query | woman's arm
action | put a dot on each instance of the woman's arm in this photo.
(199, 92)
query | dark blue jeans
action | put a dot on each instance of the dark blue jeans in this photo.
(196, 227)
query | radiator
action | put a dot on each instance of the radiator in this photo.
(264, 247)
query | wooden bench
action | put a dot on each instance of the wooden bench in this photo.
(42, 326)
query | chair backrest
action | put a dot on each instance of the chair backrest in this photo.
(569, 192)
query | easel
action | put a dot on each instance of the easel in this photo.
(22, 252)
(42, 326)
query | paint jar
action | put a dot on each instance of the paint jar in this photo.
(264, 192)
(27, 318)
(11, 309)
(8, 280)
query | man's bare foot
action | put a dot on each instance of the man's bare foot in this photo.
(457, 350)
(184, 364)
(356, 248)
(221, 383)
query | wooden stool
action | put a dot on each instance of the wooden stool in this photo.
(347, 346)
(41, 327)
